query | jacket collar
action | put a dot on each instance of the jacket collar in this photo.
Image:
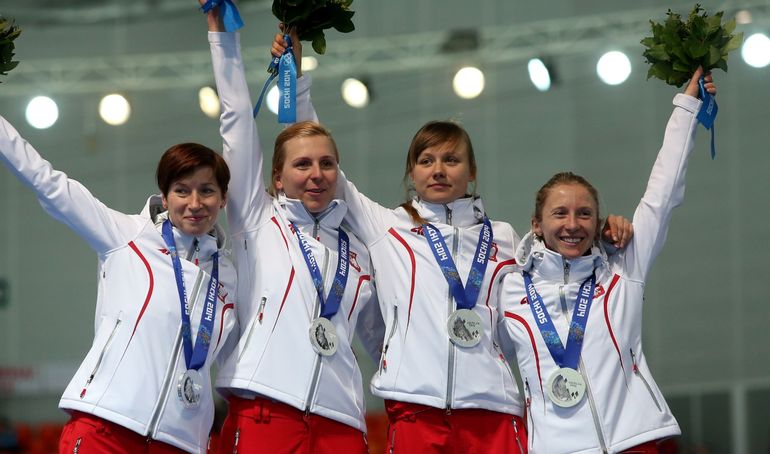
(463, 212)
(296, 212)
(533, 256)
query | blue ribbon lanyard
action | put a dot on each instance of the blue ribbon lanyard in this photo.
(230, 15)
(194, 357)
(464, 296)
(330, 304)
(285, 67)
(570, 356)
(708, 113)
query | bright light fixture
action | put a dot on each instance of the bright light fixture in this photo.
(309, 63)
(209, 102)
(613, 68)
(114, 109)
(756, 50)
(355, 93)
(539, 74)
(42, 112)
(468, 82)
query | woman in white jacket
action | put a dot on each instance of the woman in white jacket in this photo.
(166, 292)
(575, 316)
(293, 382)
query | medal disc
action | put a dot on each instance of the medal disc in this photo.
(464, 327)
(566, 387)
(323, 336)
(189, 388)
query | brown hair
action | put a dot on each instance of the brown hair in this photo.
(434, 133)
(297, 130)
(183, 159)
(564, 178)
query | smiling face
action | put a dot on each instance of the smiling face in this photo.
(568, 220)
(193, 201)
(308, 172)
(442, 172)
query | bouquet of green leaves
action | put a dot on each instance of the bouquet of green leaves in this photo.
(676, 48)
(312, 17)
(8, 33)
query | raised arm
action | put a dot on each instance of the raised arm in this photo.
(665, 187)
(66, 200)
(240, 139)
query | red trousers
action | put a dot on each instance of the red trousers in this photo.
(415, 428)
(651, 447)
(88, 434)
(262, 425)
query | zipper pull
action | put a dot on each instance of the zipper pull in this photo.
(528, 392)
(633, 360)
(566, 271)
(262, 309)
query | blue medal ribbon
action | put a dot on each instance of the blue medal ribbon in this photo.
(285, 67)
(194, 358)
(231, 18)
(569, 357)
(708, 113)
(330, 304)
(466, 296)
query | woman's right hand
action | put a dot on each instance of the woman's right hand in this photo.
(213, 18)
(279, 46)
(692, 86)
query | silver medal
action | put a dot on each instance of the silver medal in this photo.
(566, 387)
(323, 336)
(464, 327)
(189, 388)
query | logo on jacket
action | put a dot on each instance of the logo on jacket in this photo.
(418, 230)
(354, 262)
(493, 252)
(524, 301)
(599, 291)
(164, 251)
(221, 293)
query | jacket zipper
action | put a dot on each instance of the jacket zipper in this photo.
(450, 309)
(392, 442)
(528, 405)
(644, 380)
(581, 367)
(101, 356)
(383, 361)
(168, 380)
(317, 365)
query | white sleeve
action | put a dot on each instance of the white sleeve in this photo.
(370, 327)
(368, 219)
(66, 200)
(665, 189)
(240, 139)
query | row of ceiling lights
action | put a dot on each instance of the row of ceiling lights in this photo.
(613, 68)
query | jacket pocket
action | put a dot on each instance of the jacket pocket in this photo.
(383, 360)
(528, 410)
(102, 353)
(639, 374)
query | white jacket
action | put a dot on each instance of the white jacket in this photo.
(419, 363)
(130, 374)
(274, 357)
(623, 406)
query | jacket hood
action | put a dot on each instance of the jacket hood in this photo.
(462, 212)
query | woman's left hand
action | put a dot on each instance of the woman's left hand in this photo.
(617, 231)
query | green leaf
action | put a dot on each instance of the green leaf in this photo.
(729, 26)
(319, 44)
(714, 55)
(734, 43)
